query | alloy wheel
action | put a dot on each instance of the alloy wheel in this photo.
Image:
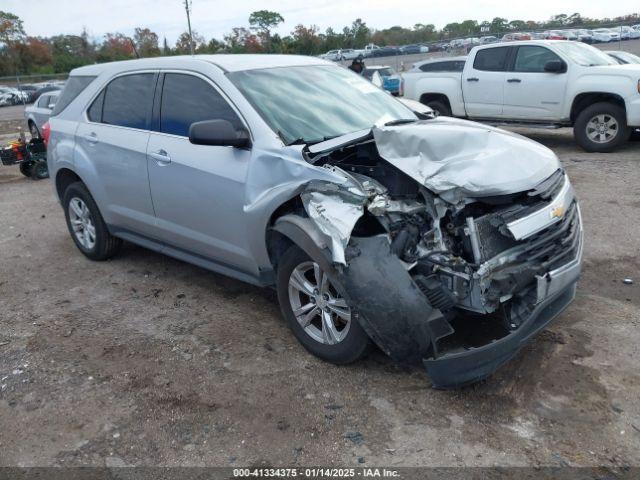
(602, 128)
(317, 306)
(82, 223)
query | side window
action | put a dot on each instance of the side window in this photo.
(430, 67)
(187, 99)
(491, 59)
(532, 58)
(459, 66)
(95, 110)
(128, 100)
(43, 101)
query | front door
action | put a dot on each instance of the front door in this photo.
(529, 91)
(197, 190)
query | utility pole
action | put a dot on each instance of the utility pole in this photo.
(187, 7)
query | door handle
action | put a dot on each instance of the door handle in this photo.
(514, 80)
(161, 156)
(473, 79)
(91, 137)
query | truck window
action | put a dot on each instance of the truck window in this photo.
(491, 59)
(531, 58)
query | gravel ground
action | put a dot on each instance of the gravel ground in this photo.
(144, 360)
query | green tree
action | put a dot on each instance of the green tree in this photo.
(146, 42)
(182, 44)
(263, 22)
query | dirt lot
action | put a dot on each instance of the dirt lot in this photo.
(144, 360)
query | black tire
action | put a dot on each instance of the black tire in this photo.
(40, 171)
(106, 245)
(26, 167)
(608, 110)
(635, 135)
(33, 129)
(354, 346)
(439, 107)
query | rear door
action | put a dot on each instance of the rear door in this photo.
(483, 82)
(530, 92)
(114, 139)
(41, 110)
(197, 190)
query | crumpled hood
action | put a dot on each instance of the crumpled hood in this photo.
(458, 158)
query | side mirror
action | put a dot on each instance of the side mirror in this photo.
(218, 133)
(555, 66)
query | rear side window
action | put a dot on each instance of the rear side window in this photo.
(491, 59)
(448, 66)
(43, 101)
(187, 99)
(128, 100)
(72, 88)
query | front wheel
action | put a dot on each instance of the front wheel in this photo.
(601, 127)
(317, 313)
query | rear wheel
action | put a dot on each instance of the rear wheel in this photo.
(86, 226)
(601, 127)
(316, 311)
(439, 108)
(26, 167)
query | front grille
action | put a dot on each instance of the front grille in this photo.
(557, 244)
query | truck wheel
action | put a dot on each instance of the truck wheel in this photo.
(439, 108)
(601, 127)
(86, 226)
(316, 312)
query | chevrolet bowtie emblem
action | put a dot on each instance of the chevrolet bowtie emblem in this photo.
(556, 212)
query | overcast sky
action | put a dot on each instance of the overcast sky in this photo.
(214, 18)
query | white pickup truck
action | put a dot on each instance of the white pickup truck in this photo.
(543, 82)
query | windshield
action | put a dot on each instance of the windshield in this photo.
(585, 55)
(309, 104)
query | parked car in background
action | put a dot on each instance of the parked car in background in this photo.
(414, 48)
(227, 162)
(570, 35)
(555, 35)
(615, 34)
(390, 79)
(538, 36)
(348, 54)
(518, 36)
(623, 57)
(447, 64)
(629, 33)
(12, 96)
(584, 36)
(34, 95)
(551, 82)
(488, 39)
(39, 112)
(600, 35)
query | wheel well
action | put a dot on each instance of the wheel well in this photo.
(278, 243)
(64, 178)
(583, 100)
(431, 97)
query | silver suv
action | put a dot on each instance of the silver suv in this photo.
(441, 241)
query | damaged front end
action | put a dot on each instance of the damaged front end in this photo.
(453, 242)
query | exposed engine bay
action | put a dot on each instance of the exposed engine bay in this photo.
(481, 261)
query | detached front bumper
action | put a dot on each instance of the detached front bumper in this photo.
(554, 291)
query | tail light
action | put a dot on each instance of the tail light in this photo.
(46, 131)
